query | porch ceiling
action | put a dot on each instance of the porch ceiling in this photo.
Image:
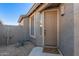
(52, 5)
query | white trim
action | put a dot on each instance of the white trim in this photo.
(57, 25)
(33, 36)
(42, 18)
(57, 28)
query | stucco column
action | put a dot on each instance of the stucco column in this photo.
(76, 29)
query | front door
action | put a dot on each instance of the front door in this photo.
(50, 28)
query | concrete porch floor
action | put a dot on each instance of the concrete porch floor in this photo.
(38, 51)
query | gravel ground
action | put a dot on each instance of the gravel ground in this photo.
(11, 50)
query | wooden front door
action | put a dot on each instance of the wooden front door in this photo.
(50, 28)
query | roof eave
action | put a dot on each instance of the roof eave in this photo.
(20, 18)
(35, 5)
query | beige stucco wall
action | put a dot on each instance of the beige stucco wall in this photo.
(21, 23)
(10, 34)
(3, 41)
(17, 34)
(66, 30)
(25, 25)
(76, 29)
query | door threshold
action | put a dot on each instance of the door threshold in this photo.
(50, 46)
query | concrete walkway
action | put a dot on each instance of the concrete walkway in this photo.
(38, 51)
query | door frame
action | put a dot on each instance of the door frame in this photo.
(42, 17)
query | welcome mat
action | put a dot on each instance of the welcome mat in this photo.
(51, 50)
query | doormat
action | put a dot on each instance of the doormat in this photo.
(51, 50)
